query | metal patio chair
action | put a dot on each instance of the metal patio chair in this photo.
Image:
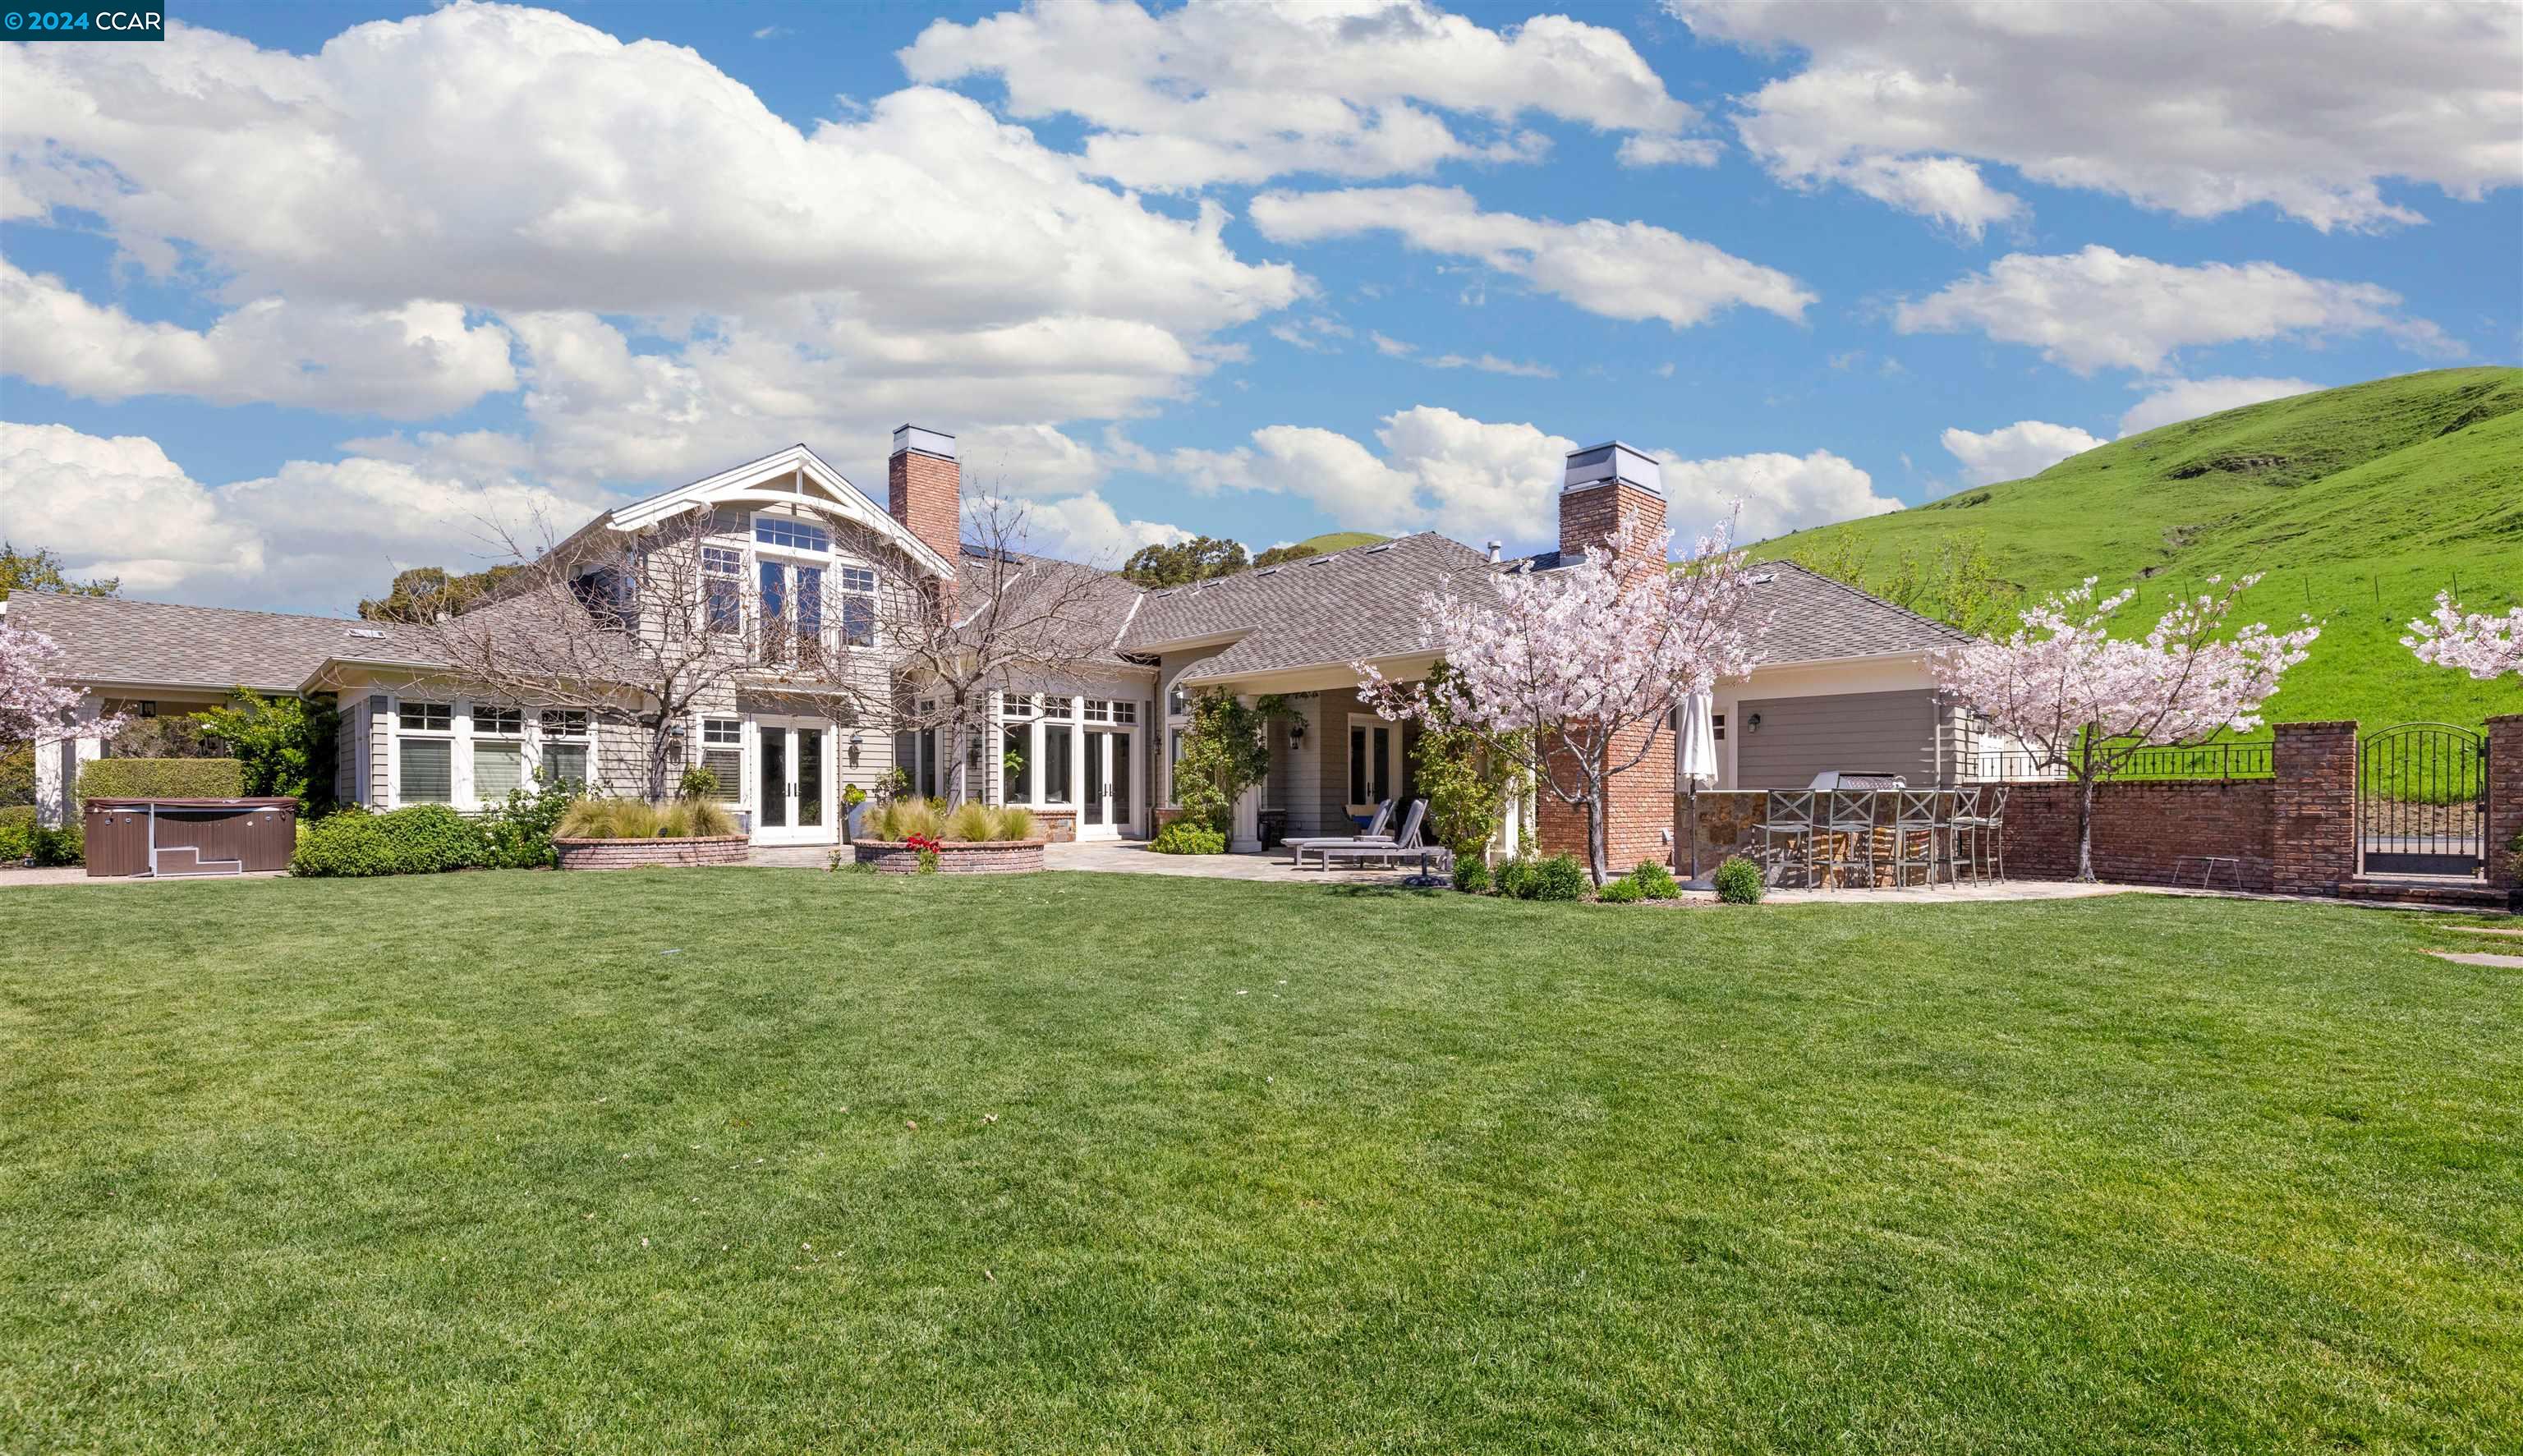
(1923, 816)
(1986, 827)
(1961, 845)
(1849, 818)
(1787, 833)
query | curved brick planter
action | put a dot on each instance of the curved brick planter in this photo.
(641, 854)
(955, 857)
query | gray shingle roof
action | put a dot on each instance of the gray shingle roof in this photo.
(115, 640)
(1814, 619)
(1092, 611)
(1359, 602)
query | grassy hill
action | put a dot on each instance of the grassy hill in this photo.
(1341, 541)
(2357, 503)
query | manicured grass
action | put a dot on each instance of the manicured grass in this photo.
(2357, 503)
(625, 1163)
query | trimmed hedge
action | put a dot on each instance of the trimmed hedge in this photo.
(1738, 881)
(160, 778)
(423, 839)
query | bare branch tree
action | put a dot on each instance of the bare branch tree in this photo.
(645, 629)
(1011, 622)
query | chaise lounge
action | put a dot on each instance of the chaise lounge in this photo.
(1370, 847)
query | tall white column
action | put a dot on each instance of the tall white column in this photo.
(1248, 821)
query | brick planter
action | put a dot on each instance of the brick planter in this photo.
(644, 854)
(955, 856)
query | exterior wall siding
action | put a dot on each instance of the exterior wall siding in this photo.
(1798, 737)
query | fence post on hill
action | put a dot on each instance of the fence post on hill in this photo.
(2313, 841)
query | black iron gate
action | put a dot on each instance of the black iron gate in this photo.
(2422, 801)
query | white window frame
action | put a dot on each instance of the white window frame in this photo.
(458, 770)
(476, 735)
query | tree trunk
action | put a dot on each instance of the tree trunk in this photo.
(657, 741)
(2086, 827)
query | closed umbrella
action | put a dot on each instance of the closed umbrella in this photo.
(1698, 766)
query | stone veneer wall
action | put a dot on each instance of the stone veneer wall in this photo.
(1000, 857)
(641, 854)
(2504, 798)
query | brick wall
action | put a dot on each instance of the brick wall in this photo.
(1637, 809)
(2146, 834)
(1015, 857)
(923, 492)
(2313, 834)
(645, 854)
(2504, 797)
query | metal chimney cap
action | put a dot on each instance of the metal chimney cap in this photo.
(1598, 464)
(927, 442)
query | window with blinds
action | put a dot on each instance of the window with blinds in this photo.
(497, 768)
(728, 765)
(428, 766)
(565, 763)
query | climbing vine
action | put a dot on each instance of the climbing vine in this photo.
(1225, 751)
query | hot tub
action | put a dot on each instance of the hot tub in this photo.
(164, 839)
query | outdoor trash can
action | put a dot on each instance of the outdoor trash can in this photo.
(169, 837)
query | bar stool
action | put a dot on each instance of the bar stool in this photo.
(1852, 814)
(1917, 819)
(1789, 818)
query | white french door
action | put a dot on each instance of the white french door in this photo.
(792, 783)
(1108, 808)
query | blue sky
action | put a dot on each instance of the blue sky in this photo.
(292, 300)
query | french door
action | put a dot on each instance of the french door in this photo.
(792, 791)
(1105, 809)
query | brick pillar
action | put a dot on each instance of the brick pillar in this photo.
(2314, 843)
(2504, 798)
(1637, 809)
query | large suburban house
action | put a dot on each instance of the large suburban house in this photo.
(1843, 682)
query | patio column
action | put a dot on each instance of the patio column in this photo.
(1246, 838)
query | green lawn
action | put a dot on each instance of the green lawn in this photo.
(624, 1163)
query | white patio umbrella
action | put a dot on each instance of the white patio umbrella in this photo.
(1696, 766)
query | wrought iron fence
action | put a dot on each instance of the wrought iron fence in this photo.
(2216, 761)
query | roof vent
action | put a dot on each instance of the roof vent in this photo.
(1320, 560)
(1764, 579)
(364, 632)
(1495, 547)
(1379, 551)
(1269, 571)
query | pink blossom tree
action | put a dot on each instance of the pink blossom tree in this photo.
(37, 707)
(2083, 702)
(2486, 648)
(1572, 674)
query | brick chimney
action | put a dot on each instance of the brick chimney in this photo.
(924, 487)
(1604, 484)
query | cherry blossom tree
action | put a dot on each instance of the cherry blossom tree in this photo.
(2486, 648)
(1573, 673)
(36, 706)
(2086, 703)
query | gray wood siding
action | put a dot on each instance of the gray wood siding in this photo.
(1799, 737)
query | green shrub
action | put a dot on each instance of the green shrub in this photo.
(1738, 881)
(1016, 821)
(633, 819)
(1559, 877)
(160, 778)
(519, 834)
(1656, 882)
(16, 833)
(67, 845)
(285, 744)
(1515, 877)
(1471, 875)
(900, 820)
(423, 839)
(972, 821)
(1620, 892)
(1184, 838)
(696, 783)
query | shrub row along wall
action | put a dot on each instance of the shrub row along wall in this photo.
(160, 778)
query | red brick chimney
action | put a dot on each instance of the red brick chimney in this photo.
(924, 488)
(1604, 484)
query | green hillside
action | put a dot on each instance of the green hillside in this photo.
(1341, 541)
(2357, 503)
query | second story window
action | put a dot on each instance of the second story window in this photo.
(722, 587)
(791, 533)
(609, 595)
(858, 606)
(810, 602)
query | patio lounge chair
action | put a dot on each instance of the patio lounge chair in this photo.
(1363, 848)
(1380, 829)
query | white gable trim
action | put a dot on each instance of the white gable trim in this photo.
(786, 477)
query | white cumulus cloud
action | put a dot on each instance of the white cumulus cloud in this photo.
(2024, 448)
(2096, 308)
(1774, 492)
(2197, 108)
(1627, 270)
(2179, 399)
(1241, 91)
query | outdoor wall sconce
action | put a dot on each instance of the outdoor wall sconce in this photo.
(1297, 733)
(1752, 725)
(855, 750)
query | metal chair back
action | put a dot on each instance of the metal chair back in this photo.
(1790, 809)
(1852, 808)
